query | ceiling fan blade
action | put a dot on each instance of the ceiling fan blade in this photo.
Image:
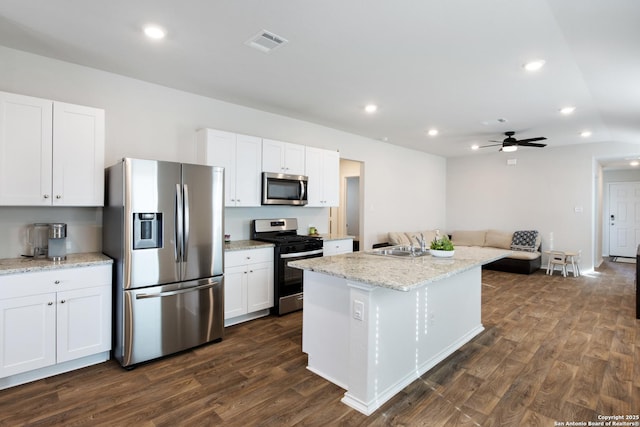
(490, 145)
(539, 138)
(530, 144)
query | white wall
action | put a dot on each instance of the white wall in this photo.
(151, 121)
(541, 192)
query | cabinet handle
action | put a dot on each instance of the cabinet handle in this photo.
(63, 301)
(57, 282)
(58, 196)
(250, 271)
(50, 303)
(46, 196)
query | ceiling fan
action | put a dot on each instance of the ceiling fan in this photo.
(511, 144)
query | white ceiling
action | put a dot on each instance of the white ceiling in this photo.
(454, 65)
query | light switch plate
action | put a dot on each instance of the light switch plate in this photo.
(358, 310)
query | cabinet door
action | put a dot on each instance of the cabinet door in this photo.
(323, 170)
(27, 333)
(273, 156)
(313, 167)
(218, 148)
(294, 159)
(260, 286)
(331, 178)
(78, 155)
(235, 291)
(25, 150)
(248, 171)
(83, 322)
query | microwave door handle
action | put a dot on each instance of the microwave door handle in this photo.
(302, 190)
(185, 251)
(178, 225)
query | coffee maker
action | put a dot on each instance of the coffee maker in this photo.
(48, 240)
(57, 250)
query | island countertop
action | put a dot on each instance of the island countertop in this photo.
(401, 274)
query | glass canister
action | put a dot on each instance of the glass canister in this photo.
(57, 250)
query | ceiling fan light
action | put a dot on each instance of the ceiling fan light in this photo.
(509, 148)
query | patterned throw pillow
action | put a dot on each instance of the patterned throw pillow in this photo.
(524, 240)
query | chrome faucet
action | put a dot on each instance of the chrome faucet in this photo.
(422, 242)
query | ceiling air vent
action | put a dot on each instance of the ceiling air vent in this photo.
(266, 41)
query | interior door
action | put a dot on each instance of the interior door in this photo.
(353, 206)
(624, 218)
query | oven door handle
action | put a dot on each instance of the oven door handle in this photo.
(299, 254)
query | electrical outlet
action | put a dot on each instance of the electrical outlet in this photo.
(358, 310)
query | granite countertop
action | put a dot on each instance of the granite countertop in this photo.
(401, 274)
(240, 245)
(332, 236)
(31, 265)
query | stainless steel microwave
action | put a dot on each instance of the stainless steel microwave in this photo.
(283, 189)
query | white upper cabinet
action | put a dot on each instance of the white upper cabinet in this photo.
(283, 157)
(51, 153)
(240, 155)
(323, 170)
(78, 155)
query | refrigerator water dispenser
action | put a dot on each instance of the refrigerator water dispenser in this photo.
(147, 230)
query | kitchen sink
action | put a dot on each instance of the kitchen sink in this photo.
(399, 251)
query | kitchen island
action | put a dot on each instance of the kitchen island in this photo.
(372, 324)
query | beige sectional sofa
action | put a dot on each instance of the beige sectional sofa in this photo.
(523, 260)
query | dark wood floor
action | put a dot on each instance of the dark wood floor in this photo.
(554, 349)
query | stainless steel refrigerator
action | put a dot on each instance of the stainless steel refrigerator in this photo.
(163, 225)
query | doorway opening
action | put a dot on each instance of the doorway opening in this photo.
(347, 219)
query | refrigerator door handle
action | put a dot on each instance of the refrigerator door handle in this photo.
(178, 292)
(178, 224)
(186, 223)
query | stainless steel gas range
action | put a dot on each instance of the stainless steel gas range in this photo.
(289, 246)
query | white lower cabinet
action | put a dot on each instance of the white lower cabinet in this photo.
(51, 320)
(336, 247)
(248, 284)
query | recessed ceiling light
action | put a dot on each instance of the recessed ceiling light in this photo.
(585, 133)
(432, 132)
(634, 163)
(371, 108)
(534, 65)
(154, 32)
(475, 147)
(567, 110)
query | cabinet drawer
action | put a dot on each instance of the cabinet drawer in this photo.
(24, 284)
(250, 256)
(333, 247)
